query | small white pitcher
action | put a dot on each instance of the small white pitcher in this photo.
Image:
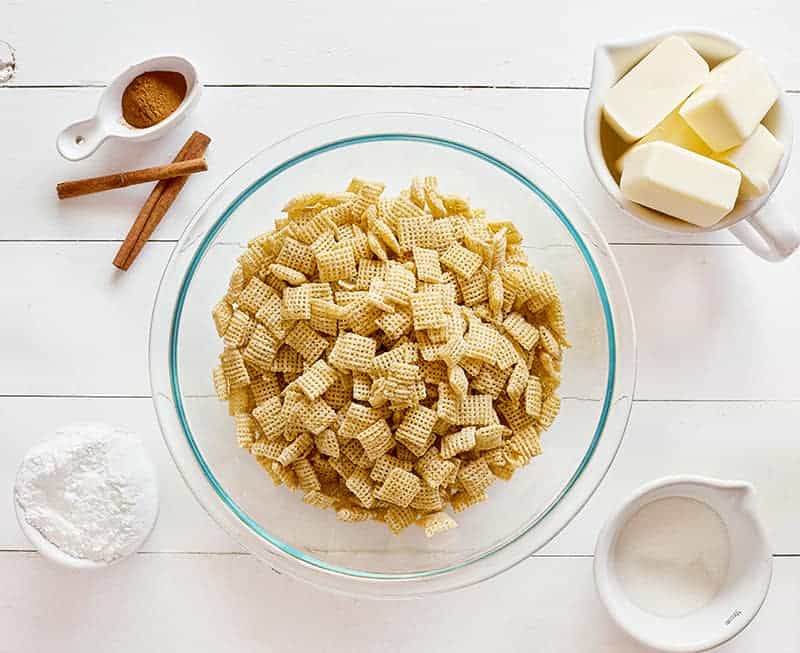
(764, 228)
(739, 598)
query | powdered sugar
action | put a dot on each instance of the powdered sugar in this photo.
(90, 491)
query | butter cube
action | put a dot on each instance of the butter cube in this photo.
(680, 183)
(726, 109)
(756, 158)
(653, 88)
(673, 129)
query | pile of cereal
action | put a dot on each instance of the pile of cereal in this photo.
(390, 356)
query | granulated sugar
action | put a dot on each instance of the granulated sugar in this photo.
(672, 556)
(90, 491)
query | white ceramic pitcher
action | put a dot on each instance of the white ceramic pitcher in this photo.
(764, 227)
(742, 593)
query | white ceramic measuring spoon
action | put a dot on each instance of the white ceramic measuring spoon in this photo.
(81, 139)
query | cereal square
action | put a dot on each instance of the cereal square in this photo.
(426, 310)
(353, 352)
(399, 488)
(337, 263)
(306, 342)
(461, 261)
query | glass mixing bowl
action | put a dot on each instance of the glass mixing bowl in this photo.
(521, 515)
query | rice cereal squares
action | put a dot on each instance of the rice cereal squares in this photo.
(353, 352)
(390, 357)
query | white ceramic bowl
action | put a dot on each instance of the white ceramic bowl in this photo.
(744, 589)
(51, 552)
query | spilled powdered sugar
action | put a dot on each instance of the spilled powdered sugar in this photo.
(90, 491)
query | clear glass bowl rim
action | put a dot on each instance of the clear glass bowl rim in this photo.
(166, 385)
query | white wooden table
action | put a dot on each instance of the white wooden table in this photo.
(719, 388)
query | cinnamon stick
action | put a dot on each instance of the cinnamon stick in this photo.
(121, 179)
(158, 203)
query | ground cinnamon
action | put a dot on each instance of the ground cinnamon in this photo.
(152, 96)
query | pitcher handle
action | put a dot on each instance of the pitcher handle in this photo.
(771, 232)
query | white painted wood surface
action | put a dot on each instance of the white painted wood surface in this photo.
(719, 388)
(206, 604)
(311, 42)
(243, 120)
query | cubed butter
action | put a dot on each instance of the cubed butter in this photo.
(653, 88)
(725, 110)
(756, 158)
(680, 183)
(673, 129)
